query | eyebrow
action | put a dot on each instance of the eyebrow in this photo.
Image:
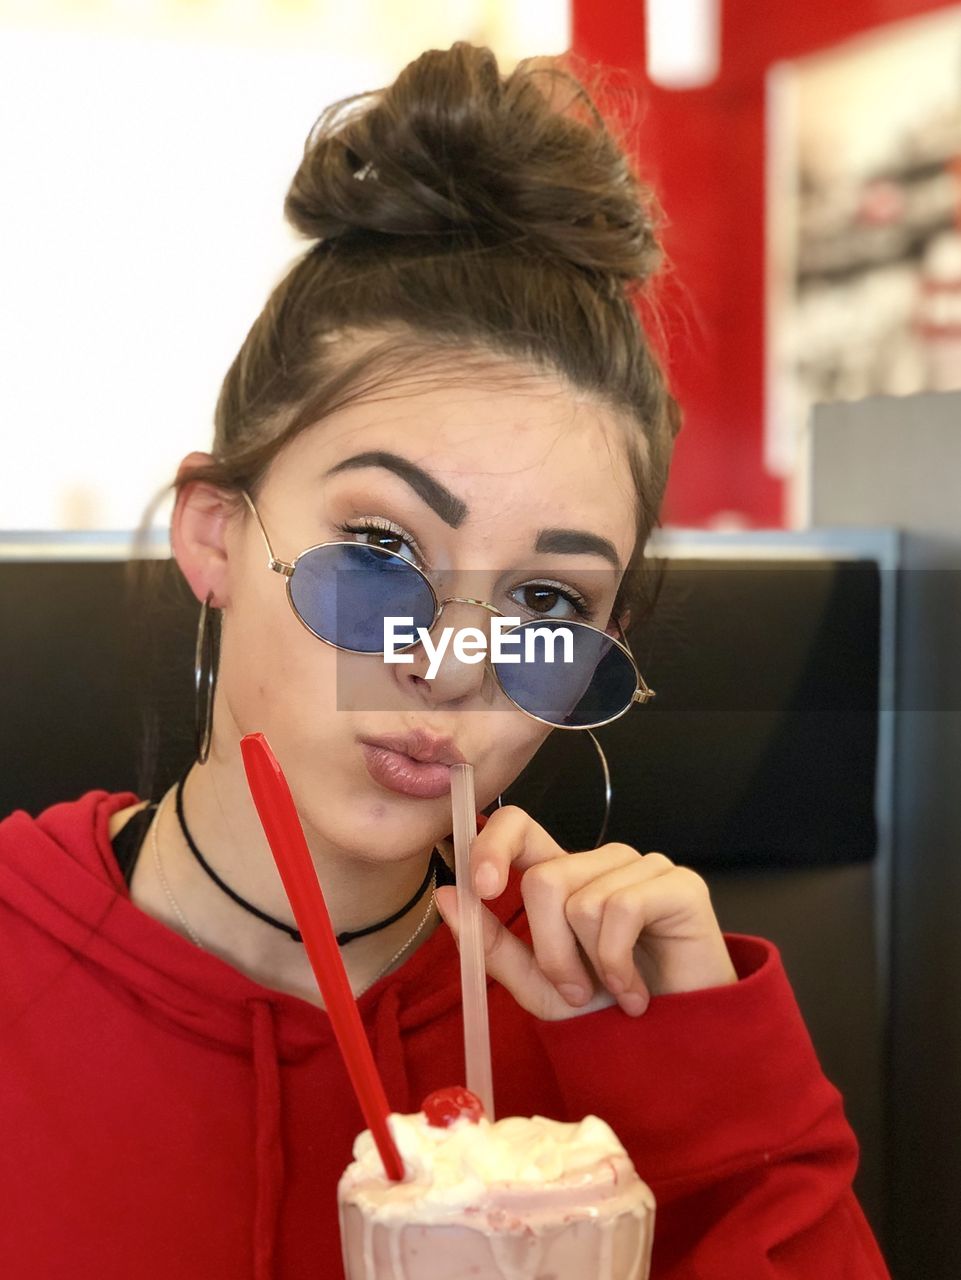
(454, 511)
(448, 506)
(576, 541)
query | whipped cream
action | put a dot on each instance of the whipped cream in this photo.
(455, 1167)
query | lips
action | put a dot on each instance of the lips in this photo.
(419, 744)
(414, 764)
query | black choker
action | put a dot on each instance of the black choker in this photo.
(342, 938)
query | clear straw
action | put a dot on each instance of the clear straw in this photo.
(473, 976)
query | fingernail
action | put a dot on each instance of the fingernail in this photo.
(614, 984)
(485, 879)
(572, 993)
(633, 1002)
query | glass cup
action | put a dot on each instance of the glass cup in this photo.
(594, 1222)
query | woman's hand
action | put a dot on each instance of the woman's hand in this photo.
(607, 925)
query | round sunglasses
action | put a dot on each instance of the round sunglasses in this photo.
(343, 592)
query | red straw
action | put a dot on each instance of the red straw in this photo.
(275, 805)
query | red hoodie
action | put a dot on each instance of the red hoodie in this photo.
(164, 1116)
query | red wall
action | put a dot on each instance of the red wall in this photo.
(704, 152)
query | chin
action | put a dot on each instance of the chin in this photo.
(374, 829)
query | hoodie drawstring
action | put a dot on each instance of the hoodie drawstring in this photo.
(267, 1139)
(269, 1152)
(389, 1053)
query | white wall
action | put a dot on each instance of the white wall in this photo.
(145, 159)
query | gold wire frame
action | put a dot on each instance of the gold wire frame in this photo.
(642, 692)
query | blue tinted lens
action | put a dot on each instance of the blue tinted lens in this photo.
(597, 684)
(344, 591)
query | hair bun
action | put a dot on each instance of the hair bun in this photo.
(454, 151)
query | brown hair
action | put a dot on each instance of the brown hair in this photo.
(458, 209)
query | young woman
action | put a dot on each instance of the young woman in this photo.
(451, 393)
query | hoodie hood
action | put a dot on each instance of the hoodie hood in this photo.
(59, 873)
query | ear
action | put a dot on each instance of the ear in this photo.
(624, 618)
(198, 531)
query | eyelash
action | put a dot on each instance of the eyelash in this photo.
(377, 524)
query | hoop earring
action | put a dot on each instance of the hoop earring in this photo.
(205, 681)
(607, 789)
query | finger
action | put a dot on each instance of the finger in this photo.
(669, 905)
(511, 963)
(586, 910)
(546, 889)
(511, 836)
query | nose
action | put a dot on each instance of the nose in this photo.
(442, 676)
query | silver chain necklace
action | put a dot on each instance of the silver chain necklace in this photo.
(195, 939)
(178, 912)
(397, 954)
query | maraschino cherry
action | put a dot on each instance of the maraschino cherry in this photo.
(444, 1106)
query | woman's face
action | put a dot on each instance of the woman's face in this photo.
(501, 463)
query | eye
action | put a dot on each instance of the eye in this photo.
(543, 599)
(386, 535)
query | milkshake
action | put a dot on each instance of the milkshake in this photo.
(524, 1198)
